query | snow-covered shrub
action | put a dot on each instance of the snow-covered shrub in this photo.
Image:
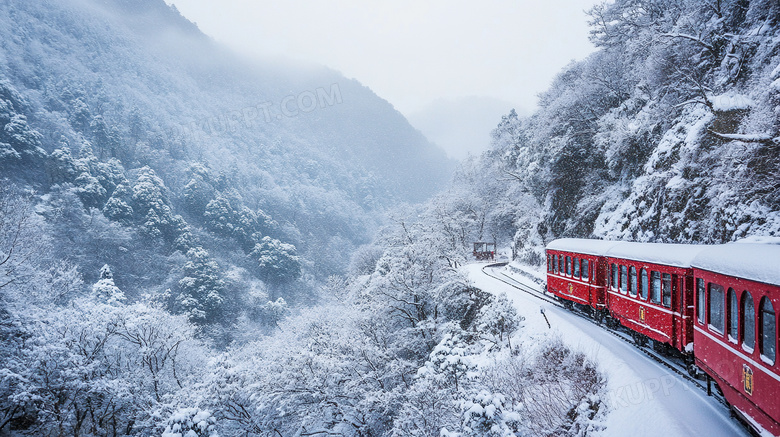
(274, 311)
(554, 390)
(498, 321)
(105, 290)
(487, 414)
(191, 422)
(451, 358)
(428, 407)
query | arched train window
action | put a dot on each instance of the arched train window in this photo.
(615, 276)
(733, 315)
(715, 306)
(585, 270)
(748, 321)
(667, 290)
(623, 279)
(768, 331)
(655, 289)
(700, 300)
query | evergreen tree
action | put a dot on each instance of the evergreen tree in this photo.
(202, 289)
(105, 290)
(277, 262)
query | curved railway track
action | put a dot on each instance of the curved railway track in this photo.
(664, 361)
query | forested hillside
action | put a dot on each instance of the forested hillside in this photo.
(153, 147)
(669, 132)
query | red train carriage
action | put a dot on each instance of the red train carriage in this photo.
(650, 291)
(736, 331)
(484, 251)
(576, 272)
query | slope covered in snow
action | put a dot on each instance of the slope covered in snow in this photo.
(643, 398)
(94, 94)
(669, 132)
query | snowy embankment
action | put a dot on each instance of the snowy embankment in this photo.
(642, 397)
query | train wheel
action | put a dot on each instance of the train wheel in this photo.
(569, 305)
(661, 348)
(694, 370)
(639, 339)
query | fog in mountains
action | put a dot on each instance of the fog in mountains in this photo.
(192, 243)
(460, 126)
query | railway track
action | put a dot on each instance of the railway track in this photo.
(664, 361)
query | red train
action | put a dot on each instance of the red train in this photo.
(714, 305)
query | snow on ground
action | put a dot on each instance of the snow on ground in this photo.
(538, 273)
(644, 398)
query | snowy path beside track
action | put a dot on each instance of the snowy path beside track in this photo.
(644, 397)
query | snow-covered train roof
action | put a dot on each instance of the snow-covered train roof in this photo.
(755, 261)
(581, 245)
(676, 255)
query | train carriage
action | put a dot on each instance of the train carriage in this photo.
(735, 329)
(650, 291)
(576, 272)
(715, 304)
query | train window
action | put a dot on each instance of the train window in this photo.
(716, 315)
(585, 271)
(733, 312)
(615, 275)
(655, 290)
(576, 267)
(667, 290)
(623, 279)
(632, 285)
(560, 264)
(643, 289)
(568, 265)
(768, 325)
(700, 300)
(549, 263)
(748, 319)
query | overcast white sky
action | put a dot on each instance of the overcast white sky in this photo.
(417, 54)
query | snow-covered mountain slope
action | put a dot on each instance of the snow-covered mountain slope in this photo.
(669, 132)
(132, 80)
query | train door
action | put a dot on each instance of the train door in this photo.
(678, 300)
(688, 310)
(601, 273)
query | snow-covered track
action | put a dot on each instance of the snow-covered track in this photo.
(667, 362)
(539, 294)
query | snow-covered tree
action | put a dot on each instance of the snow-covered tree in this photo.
(105, 290)
(277, 262)
(497, 321)
(190, 422)
(201, 294)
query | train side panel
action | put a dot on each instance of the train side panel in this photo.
(736, 341)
